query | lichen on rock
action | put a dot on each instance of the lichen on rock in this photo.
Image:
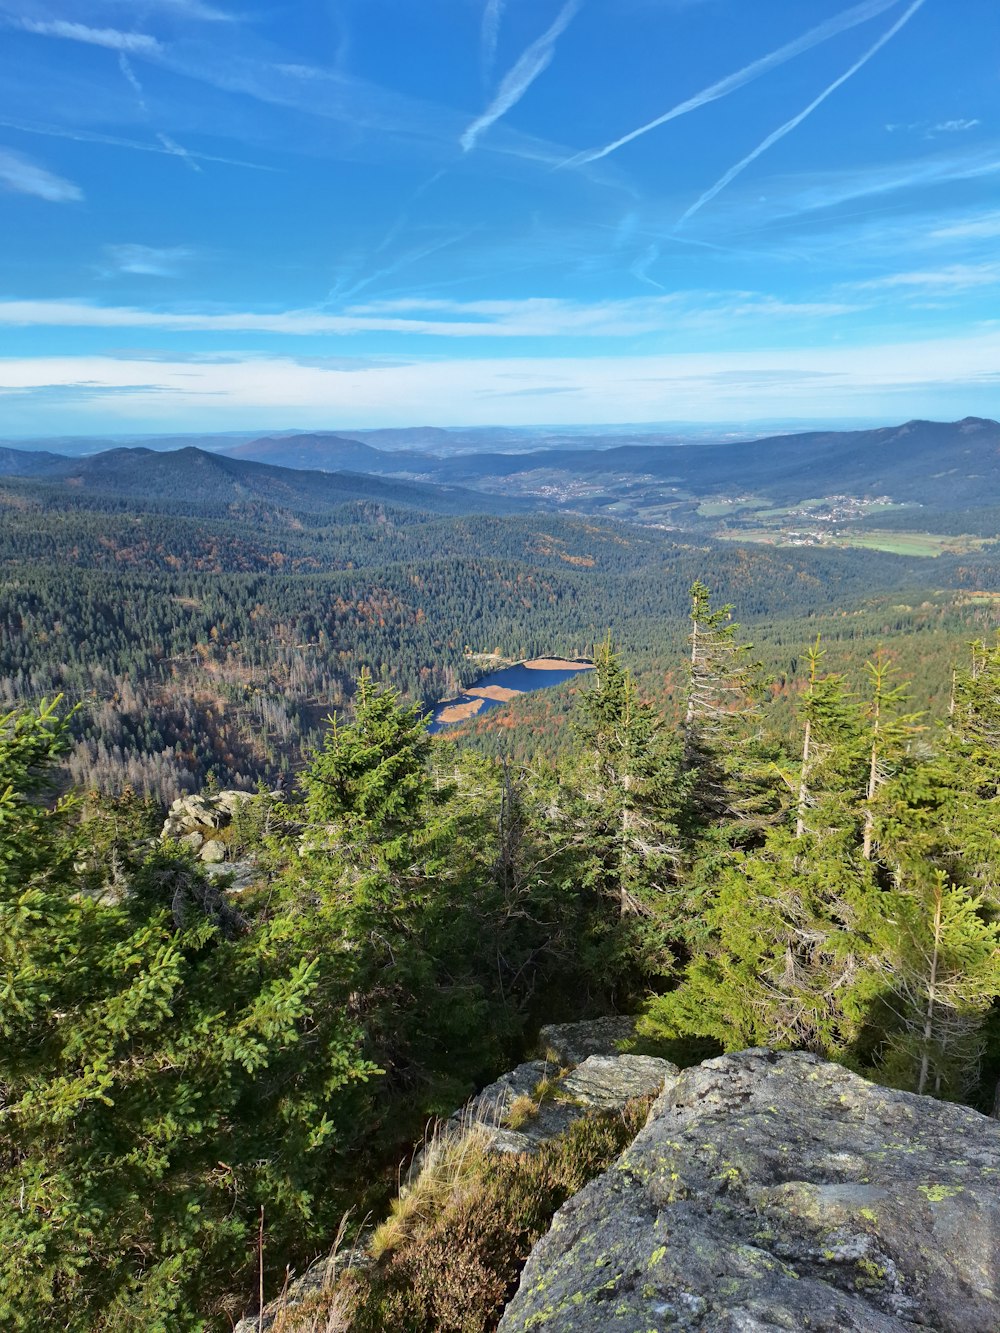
(779, 1191)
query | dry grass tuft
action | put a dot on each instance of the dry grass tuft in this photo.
(451, 1161)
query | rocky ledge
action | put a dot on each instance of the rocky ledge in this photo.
(775, 1191)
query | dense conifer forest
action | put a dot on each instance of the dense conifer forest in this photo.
(202, 638)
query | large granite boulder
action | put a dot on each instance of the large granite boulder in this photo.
(776, 1191)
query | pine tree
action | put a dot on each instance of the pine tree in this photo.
(972, 750)
(370, 778)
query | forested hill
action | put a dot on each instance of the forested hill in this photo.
(208, 612)
(28, 462)
(202, 481)
(331, 453)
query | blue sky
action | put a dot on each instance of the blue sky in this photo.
(222, 214)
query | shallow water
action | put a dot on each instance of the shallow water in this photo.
(521, 678)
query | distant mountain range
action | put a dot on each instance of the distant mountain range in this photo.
(932, 463)
(940, 465)
(197, 481)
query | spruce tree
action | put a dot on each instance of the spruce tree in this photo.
(636, 789)
(940, 954)
(159, 1083)
(732, 782)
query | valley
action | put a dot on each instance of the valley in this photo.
(207, 611)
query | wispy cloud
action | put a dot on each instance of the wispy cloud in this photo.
(984, 227)
(170, 146)
(889, 379)
(815, 192)
(850, 18)
(931, 131)
(797, 120)
(952, 278)
(192, 9)
(20, 174)
(132, 79)
(538, 318)
(643, 263)
(144, 260)
(534, 61)
(134, 43)
(346, 288)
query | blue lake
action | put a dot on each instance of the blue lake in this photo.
(503, 685)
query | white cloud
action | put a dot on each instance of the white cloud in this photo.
(897, 380)
(20, 174)
(132, 43)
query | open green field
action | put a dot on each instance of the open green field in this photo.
(910, 543)
(927, 545)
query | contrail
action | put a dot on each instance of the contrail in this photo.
(178, 150)
(340, 294)
(87, 136)
(643, 263)
(490, 33)
(795, 121)
(534, 61)
(170, 146)
(850, 18)
(125, 65)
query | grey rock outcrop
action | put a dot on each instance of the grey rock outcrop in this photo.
(208, 811)
(536, 1102)
(540, 1099)
(199, 823)
(776, 1191)
(571, 1043)
(213, 851)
